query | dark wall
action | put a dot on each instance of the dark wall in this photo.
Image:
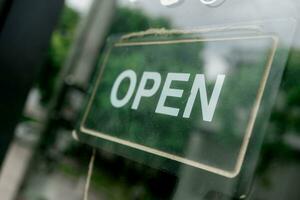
(26, 27)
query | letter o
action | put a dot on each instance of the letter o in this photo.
(130, 74)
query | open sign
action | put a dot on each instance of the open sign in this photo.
(156, 96)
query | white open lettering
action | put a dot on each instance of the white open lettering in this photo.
(208, 106)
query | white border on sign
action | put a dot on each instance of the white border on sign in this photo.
(241, 156)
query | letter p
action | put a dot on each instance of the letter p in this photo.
(142, 91)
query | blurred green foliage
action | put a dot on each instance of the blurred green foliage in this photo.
(131, 20)
(285, 119)
(58, 50)
(126, 20)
